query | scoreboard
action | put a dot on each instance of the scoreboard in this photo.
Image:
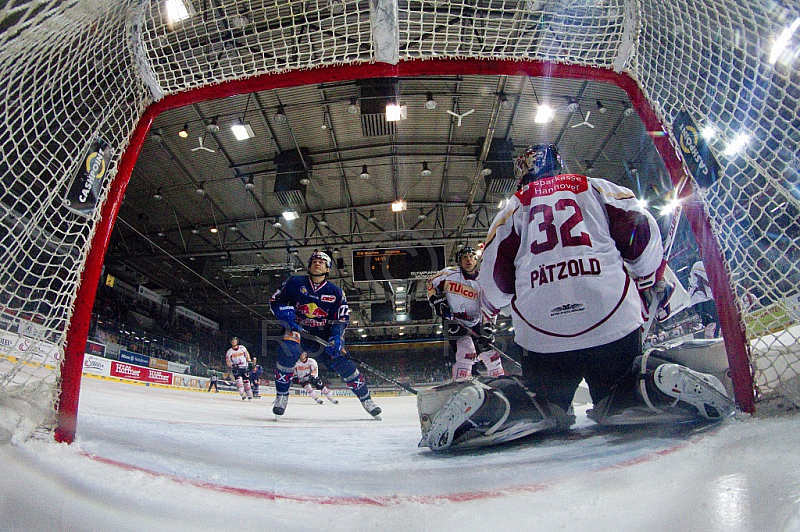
(397, 264)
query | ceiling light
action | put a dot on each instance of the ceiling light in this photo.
(158, 195)
(485, 172)
(430, 103)
(195, 230)
(242, 131)
(213, 229)
(628, 110)
(183, 133)
(505, 104)
(352, 107)
(736, 144)
(233, 228)
(421, 215)
(250, 185)
(396, 112)
(280, 115)
(572, 105)
(544, 114)
(276, 224)
(161, 234)
(336, 252)
(470, 215)
(372, 217)
(177, 10)
(601, 107)
(399, 206)
(212, 126)
(782, 41)
(157, 135)
(364, 172)
(200, 190)
(290, 215)
(425, 170)
(305, 181)
(708, 132)
(323, 222)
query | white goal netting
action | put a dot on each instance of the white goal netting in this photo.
(79, 72)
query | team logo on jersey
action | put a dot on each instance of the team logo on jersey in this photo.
(461, 290)
(568, 308)
(328, 299)
(311, 310)
(303, 290)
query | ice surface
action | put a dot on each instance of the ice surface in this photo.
(156, 459)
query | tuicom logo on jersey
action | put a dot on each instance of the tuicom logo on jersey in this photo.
(461, 289)
(548, 273)
(311, 310)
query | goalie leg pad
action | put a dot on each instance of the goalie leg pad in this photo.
(703, 391)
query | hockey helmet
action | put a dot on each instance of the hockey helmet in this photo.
(537, 162)
(234, 339)
(317, 254)
(466, 250)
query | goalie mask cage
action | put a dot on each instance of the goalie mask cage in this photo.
(80, 70)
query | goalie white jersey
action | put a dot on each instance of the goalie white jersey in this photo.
(564, 253)
(462, 291)
(699, 287)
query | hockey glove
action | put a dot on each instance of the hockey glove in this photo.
(661, 292)
(439, 304)
(335, 348)
(454, 329)
(285, 314)
(316, 382)
(485, 338)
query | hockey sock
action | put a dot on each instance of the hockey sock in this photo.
(240, 386)
(493, 363)
(247, 389)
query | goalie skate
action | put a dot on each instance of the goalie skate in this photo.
(477, 416)
(705, 392)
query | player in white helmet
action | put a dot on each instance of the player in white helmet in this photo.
(306, 374)
(238, 359)
(455, 295)
(570, 255)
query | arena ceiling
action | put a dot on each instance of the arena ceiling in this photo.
(202, 222)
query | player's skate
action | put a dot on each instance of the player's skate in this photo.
(703, 391)
(279, 406)
(332, 400)
(370, 406)
(480, 415)
(318, 400)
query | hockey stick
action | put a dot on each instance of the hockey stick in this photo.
(369, 368)
(468, 327)
(673, 230)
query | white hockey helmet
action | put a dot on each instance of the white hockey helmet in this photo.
(317, 254)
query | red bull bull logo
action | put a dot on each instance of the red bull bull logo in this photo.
(311, 310)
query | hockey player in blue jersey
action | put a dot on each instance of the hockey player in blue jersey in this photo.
(314, 315)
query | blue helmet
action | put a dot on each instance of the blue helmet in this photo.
(317, 254)
(537, 162)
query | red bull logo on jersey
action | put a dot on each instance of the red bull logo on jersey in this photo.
(460, 289)
(311, 310)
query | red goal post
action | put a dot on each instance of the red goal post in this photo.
(74, 71)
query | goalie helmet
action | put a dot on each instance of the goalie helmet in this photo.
(537, 162)
(317, 254)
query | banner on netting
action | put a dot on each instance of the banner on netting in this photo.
(693, 146)
(87, 185)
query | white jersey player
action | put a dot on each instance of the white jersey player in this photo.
(455, 294)
(238, 359)
(306, 374)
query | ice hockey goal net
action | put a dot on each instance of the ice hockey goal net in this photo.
(83, 78)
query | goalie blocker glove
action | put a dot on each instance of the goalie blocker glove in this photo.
(658, 292)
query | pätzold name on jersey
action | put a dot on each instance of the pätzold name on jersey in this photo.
(461, 290)
(548, 273)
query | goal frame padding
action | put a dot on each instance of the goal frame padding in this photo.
(730, 318)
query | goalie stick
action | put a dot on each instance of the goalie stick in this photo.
(673, 230)
(468, 327)
(369, 368)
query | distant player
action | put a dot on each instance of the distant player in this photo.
(255, 377)
(455, 295)
(314, 314)
(238, 359)
(306, 374)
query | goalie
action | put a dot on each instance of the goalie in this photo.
(572, 256)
